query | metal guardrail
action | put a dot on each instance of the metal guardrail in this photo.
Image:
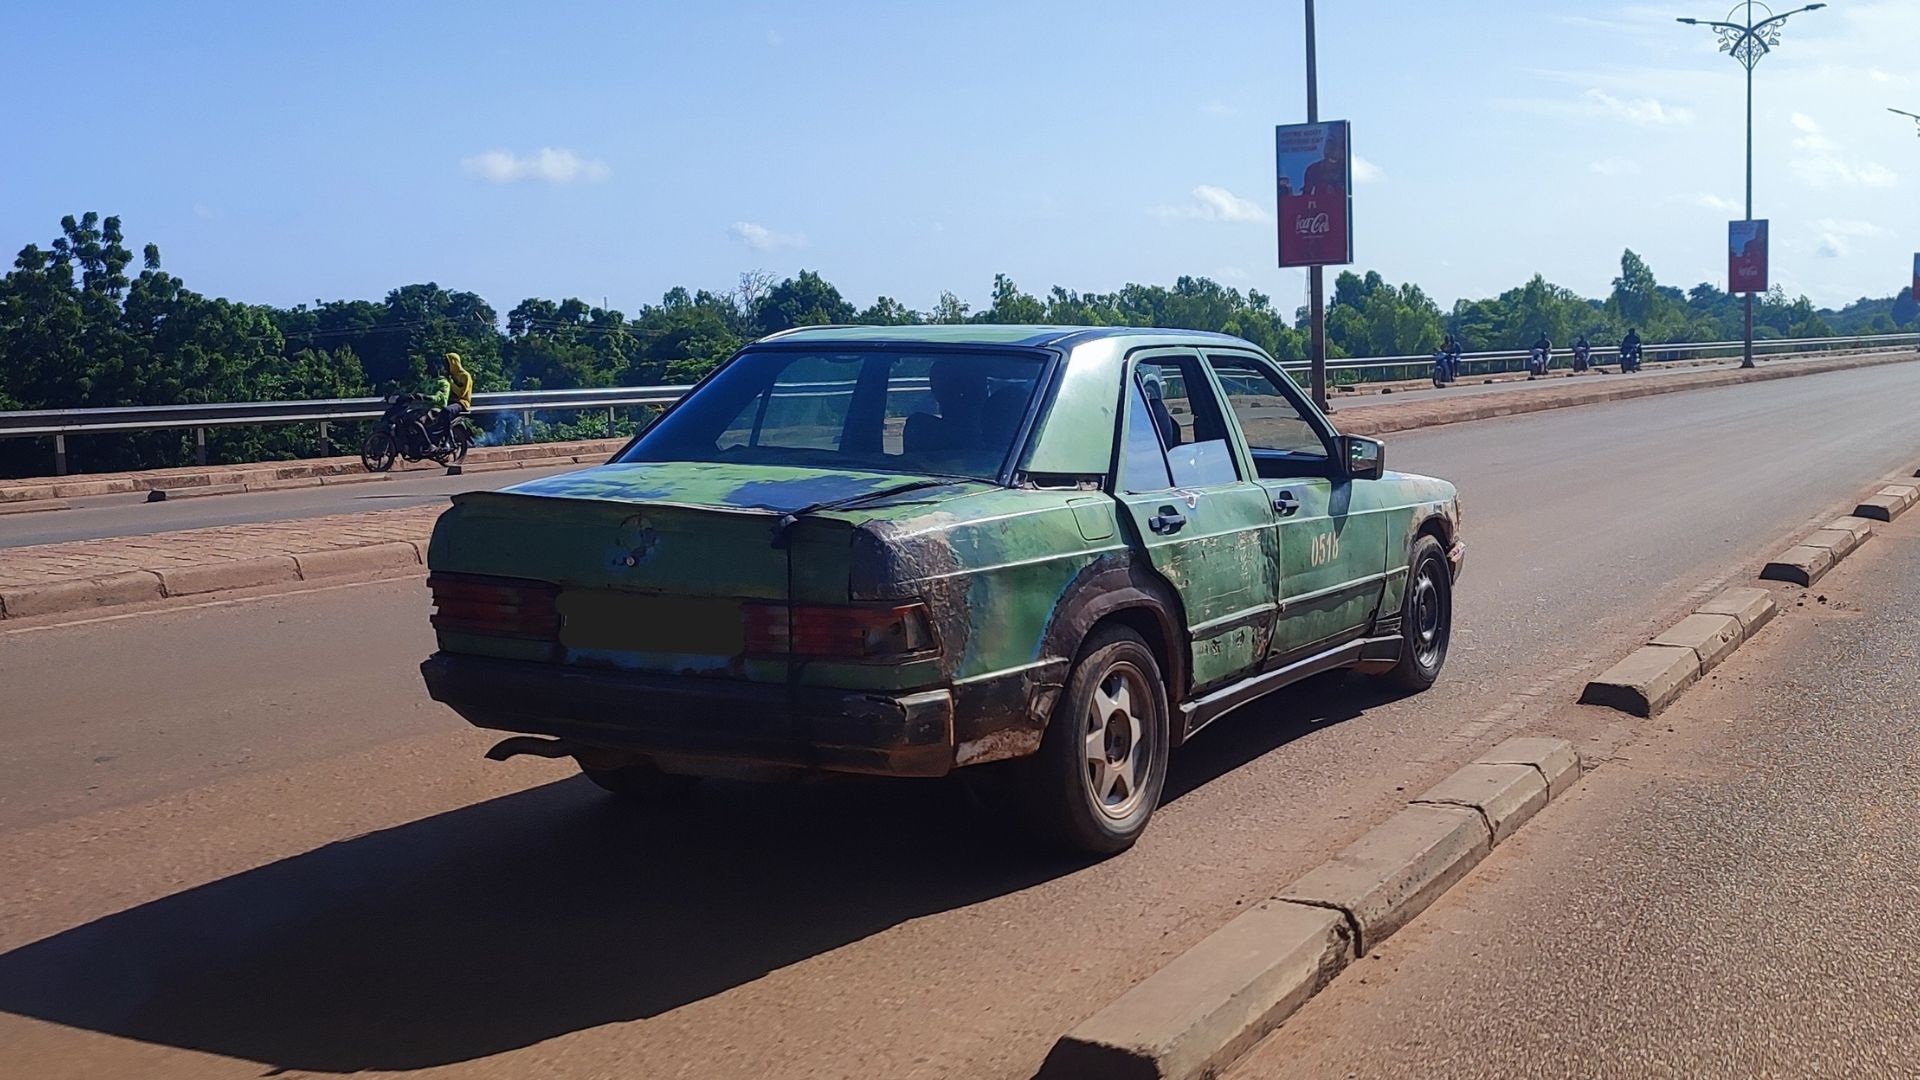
(59, 423)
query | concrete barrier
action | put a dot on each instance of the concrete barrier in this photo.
(1645, 682)
(81, 594)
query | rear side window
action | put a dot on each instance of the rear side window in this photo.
(1187, 419)
(885, 410)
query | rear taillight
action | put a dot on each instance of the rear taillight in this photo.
(501, 607)
(838, 632)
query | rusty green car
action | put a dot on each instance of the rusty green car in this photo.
(1052, 554)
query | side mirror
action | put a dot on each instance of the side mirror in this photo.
(1363, 458)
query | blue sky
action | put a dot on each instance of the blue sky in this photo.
(286, 152)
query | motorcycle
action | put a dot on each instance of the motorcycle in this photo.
(403, 431)
(1446, 368)
(1537, 363)
(1581, 358)
(1629, 358)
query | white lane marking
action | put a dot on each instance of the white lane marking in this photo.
(6, 632)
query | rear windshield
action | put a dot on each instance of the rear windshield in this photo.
(945, 413)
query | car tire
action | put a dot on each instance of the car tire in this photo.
(1426, 618)
(640, 782)
(1102, 765)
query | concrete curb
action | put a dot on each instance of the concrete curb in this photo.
(242, 574)
(1651, 677)
(367, 559)
(81, 594)
(34, 506)
(1198, 1014)
(196, 491)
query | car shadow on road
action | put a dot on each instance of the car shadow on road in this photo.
(554, 910)
(509, 922)
(1266, 725)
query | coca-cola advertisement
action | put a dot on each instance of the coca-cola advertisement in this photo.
(1747, 256)
(1916, 277)
(1315, 166)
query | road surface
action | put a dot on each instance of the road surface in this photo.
(1732, 897)
(234, 837)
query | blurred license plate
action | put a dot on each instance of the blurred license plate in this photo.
(606, 620)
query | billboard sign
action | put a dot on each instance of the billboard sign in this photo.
(1747, 256)
(1314, 163)
(1916, 277)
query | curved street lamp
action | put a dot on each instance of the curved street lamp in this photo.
(1747, 41)
(1915, 117)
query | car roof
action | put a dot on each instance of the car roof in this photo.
(1065, 337)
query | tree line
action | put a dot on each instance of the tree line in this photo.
(79, 328)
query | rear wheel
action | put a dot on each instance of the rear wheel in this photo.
(640, 782)
(1426, 618)
(379, 450)
(1103, 764)
(462, 437)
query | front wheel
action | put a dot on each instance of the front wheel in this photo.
(1103, 763)
(1426, 618)
(379, 450)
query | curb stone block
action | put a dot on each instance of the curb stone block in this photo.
(1505, 795)
(1555, 759)
(34, 506)
(195, 491)
(243, 574)
(55, 597)
(1860, 527)
(1399, 867)
(1839, 541)
(1800, 565)
(1646, 681)
(1711, 637)
(1753, 607)
(1907, 493)
(1880, 507)
(1212, 1003)
(369, 558)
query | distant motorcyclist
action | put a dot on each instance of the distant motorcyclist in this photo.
(1582, 351)
(1541, 358)
(1630, 350)
(1451, 349)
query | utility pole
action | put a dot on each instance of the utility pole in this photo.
(1317, 303)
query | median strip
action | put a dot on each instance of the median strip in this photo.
(1210, 1005)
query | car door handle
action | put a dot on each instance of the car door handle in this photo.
(1286, 504)
(1168, 521)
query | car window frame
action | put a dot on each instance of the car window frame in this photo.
(1205, 391)
(1289, 390)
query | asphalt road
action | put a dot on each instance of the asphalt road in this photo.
(235, 836)
(1732, 896)
(132, 515)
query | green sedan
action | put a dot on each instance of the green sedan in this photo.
(1045, 556)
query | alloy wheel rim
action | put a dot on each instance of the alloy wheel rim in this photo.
(1118, 742)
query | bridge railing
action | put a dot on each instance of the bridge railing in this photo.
(60, 423)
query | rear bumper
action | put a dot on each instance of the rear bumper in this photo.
(1457, 558)
(760, 723)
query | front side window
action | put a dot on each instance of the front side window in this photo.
(1276, 424)
(885, 410)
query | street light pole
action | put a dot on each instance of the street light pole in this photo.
(1317, 303)
(1747, 41)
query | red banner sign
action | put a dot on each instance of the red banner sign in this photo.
(1916, 277)
(1747, 256)
(1314, 167)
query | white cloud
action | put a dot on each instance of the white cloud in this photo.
(1230, 273)
(761, 238)
(549, 165)
(1615, 166)
(1848, 227)
(1213, 203)
(1818, 162)
(1366, 172)
(1711, 201)
(1598, 104)
(204, 212)
(774, 39)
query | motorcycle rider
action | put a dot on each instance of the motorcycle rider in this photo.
(1581, 350)
(1544, 350)
(1630, 350)
(458, 396)
(1452, 350)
